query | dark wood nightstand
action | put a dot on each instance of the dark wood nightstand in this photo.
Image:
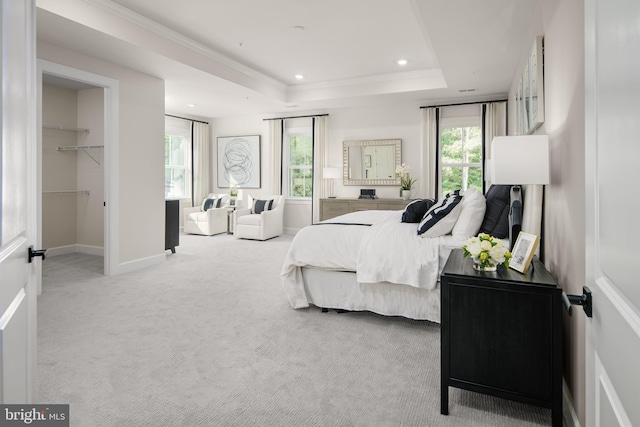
(501, 334)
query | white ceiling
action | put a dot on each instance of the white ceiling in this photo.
(239, 57)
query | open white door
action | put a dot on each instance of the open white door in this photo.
(17, 202)
(612, 134)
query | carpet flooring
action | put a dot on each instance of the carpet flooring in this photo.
(209, 339)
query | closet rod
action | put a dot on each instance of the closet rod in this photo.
(83, 148)
(77, 147)
(66, 128)
(67, 192)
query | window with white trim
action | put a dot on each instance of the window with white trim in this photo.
(298, 164)
(177, 164)
(460, 154)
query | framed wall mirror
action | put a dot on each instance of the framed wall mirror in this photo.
(371, 162)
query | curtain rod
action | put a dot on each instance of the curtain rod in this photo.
(464, 103)
(296, 117)
(184, 118)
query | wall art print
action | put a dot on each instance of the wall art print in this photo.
(529, 95)
(239, 161)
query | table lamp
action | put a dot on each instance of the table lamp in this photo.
(331, 174)
(519, 160)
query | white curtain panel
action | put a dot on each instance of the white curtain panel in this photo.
(495, 124)
(429, 158)
(275, 137)
(319, 162)
(201, 161)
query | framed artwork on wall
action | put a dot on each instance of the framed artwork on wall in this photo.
(529, 96)
(239, 161)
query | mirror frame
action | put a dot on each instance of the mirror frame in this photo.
(397, 143)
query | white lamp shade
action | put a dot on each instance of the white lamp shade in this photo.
(519, 160)
(330, 173)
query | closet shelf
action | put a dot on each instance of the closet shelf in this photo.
(66, 128)
(67, 192)
(84, 148)
(78, 147)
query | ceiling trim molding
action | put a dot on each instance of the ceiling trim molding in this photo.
(176, 37)
(434, 74)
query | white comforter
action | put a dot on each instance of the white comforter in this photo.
(386, 251)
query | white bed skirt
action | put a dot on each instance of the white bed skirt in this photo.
(340, 289)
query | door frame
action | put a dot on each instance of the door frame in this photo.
(111, 149)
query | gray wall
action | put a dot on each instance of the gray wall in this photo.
(562, 24)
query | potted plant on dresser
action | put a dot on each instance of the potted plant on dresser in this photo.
(406, 182)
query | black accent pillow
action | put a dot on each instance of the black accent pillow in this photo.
(208, 204)
(415, 210)
(262, 205)
(219, 202)
(496, 217)
(442, 216)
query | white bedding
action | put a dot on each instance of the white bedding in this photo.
(386, 251)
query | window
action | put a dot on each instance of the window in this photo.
(298, 150)
(177, 164)
(460, 154)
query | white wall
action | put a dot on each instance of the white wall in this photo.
(562, 24)
(91, 173)
(251, 125)
(59, 168)
(140, 161)
(379, 122)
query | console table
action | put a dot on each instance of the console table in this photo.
(501, 334)
(330, 208)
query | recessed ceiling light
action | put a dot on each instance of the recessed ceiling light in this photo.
(402, 62)
(191, 105)
(298, 28)
(299, 76)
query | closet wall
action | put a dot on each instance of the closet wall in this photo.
(72, 179)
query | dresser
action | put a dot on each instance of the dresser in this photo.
(330, 208)
(501, 334)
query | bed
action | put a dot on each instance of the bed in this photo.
(371, 260)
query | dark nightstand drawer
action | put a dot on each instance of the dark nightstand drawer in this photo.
(501, 334)
(502, 348)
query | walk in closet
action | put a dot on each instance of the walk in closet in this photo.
(72, 167)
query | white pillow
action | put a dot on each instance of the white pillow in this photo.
(471, 216)
(440, 219)
(210, 196)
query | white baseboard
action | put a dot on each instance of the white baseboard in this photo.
(139, 264)
(568, 411)
(90, 250)
(125, 267)
(76, 249)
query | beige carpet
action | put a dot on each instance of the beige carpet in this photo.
(208, 339)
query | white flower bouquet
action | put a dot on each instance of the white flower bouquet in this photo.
(487, 252)
(403, 171)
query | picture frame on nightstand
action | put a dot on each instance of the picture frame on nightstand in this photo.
(523, 250)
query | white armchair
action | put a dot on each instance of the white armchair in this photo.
(208, 222)
(259, 226)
